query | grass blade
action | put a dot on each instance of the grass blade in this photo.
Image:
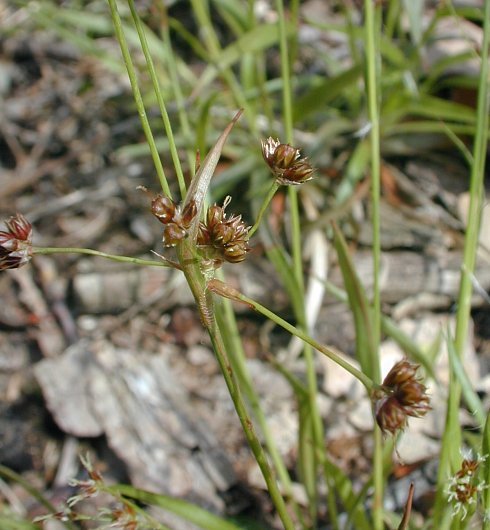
(184, 509)
(361, 310)
(470, 396)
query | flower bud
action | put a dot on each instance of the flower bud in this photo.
(296, 174)
(163, 208)
(176, 223)
(284, 155)
(236, 252)
(173, 234)
(285, 163)
(221, 238)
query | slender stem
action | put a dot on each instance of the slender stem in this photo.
(204, 302)
(476, 189)
(449, 448)
(201, 10)
(372, 75)
(316, 425)
(177, 89)
(287, 107)
(123, 44)
(226, 291)
(226, 320)
(263, 208)
(161, 103)
(372, 60)
(112, 257)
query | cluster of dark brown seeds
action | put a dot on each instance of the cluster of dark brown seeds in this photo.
(175, 222)
(221, 238)
(404, 396)
(285, 163)
(15, 243)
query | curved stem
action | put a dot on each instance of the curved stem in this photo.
(133, 79)
(372, 31)
(112, 257)
(263, 208)
(226, 291)
(158, 93)
(204, 301)
(226, 319)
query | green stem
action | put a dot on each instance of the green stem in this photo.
(204, 302)
(263, 208)
(372, 76)
(372, 60)
(449, 447)
(116, 19)
(316, 425)
(161, 103)
(228, 292)
(287, 107)
(112, 257)
(177, 88)
(201, 10)
(227, 321)
(476, 193)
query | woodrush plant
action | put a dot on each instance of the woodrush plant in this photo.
(204, 237)
(201, 247)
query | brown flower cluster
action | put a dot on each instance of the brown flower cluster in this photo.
(404, 396)
(176, 222)
(15, 243)
(285, 163)
(223, 238)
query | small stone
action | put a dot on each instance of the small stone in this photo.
(413, 447)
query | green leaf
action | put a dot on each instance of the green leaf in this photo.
(404, 106)
(415, 12)
(470, 396)
(361, 310)
(352, 503)
(450, 456)
(184, 509)
(12, 522)
(306, 453)
(257, 39)
(325, 91)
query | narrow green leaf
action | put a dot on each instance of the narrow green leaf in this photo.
(470, 396)
(12, 522)
(233, 14)
(415, 12)
(352, 503)
(306, 453)
(450, 457)
(257, 39)
(325, 91)
(361, 310)
(402, 106)
(184, 509)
